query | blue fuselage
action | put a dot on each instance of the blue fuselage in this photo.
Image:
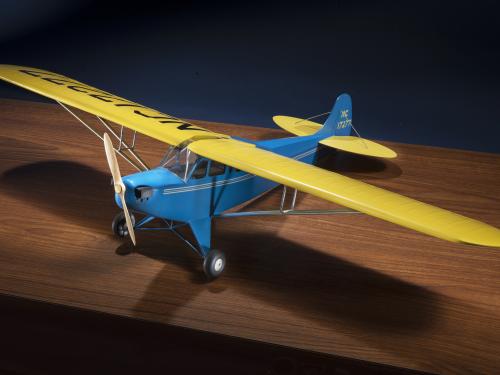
(170, 197)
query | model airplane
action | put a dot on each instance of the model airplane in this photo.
(205, 174)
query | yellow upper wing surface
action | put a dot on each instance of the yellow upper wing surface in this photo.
(348, 192)
(142, 119)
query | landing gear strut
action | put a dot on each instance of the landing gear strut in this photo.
(214, 261)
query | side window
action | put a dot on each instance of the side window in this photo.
(216, 168)
(201, 169)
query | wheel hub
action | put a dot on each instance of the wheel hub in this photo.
(218, 265)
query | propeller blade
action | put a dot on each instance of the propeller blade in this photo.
(130, 226)
(113, 164)
(118, 183)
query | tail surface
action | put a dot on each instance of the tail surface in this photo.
(340, 119)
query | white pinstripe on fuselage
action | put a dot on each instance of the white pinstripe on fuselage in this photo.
(230, 181)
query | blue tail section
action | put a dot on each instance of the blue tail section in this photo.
(340, 119)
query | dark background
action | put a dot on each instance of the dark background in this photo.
(422, 72)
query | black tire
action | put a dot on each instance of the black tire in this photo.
(214, 264)
(119, 224)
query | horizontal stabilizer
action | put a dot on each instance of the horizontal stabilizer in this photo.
(296, 125)
(358, 145)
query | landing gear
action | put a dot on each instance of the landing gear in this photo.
(214, 263)
(119, 224)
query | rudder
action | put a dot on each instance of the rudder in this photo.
(340, 120)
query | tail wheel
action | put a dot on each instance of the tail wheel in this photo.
(214, 264)
(119, 224)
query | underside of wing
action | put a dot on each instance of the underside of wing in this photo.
(144, 120)
(348, 192)
(296, 125)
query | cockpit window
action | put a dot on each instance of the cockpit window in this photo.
(179, 161)
(201, 169)
(216, 168)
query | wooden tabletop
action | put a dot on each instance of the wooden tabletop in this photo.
(352, 286)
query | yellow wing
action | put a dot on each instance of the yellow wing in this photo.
(348, 192)
(144, 120)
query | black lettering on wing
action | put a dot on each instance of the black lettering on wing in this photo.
(163, 119)
(87, 89)
(36, 73)
(57, 81)
(74, 85)
(129, 104)
(78, 88)
(41, 74)
(104, 98)
(101, 95)
(190, 127)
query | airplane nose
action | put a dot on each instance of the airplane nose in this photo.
(129, 192)
(142, 187)
(137, 193)
(118, 200)
(143, 192)
(140, 192)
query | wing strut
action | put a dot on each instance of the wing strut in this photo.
(123, 146)
(288, 211)
(140, 165)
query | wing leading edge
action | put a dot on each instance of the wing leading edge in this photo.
(348, 192)
(134, 116)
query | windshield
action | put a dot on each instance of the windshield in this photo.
(179, 161)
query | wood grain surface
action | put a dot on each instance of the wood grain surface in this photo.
(352, 286)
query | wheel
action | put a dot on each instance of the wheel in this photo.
(119, 224)
(214, 263)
